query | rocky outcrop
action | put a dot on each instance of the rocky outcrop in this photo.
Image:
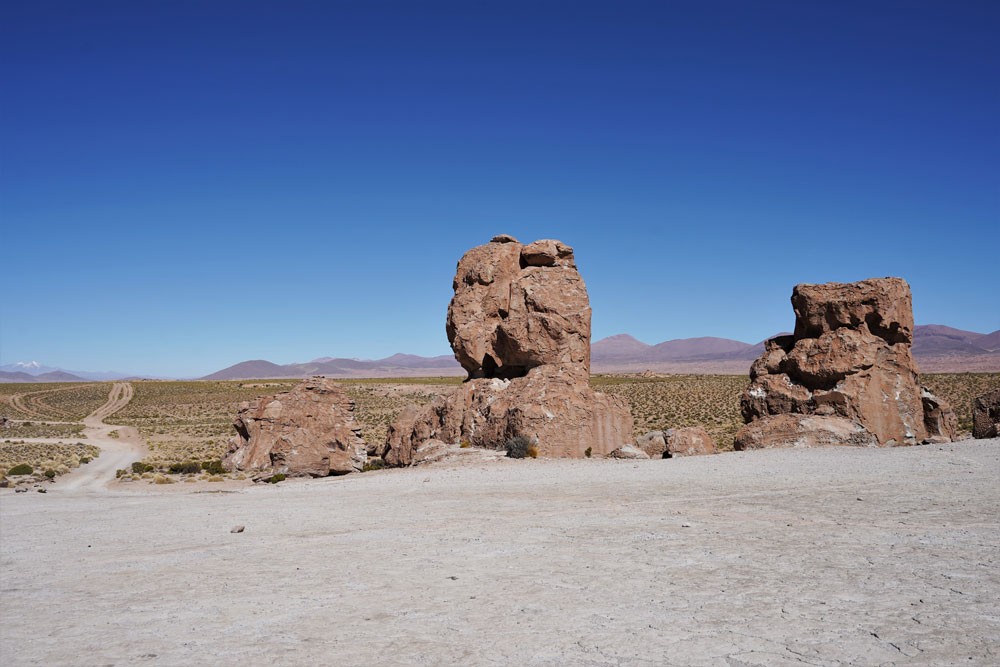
(803, 431)
(519, 324)
(986, 415)
(688, 441)
(848, 358)
(308, 431)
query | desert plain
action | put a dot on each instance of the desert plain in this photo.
(826, 556)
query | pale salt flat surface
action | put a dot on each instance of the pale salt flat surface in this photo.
(834, 556)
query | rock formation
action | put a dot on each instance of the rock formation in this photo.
(308, 431)
(688, 441)
(519, 324)
(986, 415)
(848, 361)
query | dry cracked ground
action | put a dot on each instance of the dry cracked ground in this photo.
(833, 556)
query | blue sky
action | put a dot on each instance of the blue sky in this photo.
(186, 185)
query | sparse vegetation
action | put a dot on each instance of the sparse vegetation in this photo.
(52, 401)
(373, 464)
(21, 469)
(23, 430)
(711, 401)
(587, 452)
(274, 479)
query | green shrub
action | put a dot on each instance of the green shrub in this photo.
(518, 448)
(84, 460)
(120, 472)
(138, 467)
(213, 467)
(50, 473)
(587, 452)
(373, 464)
(21, 469)
(276, 477)
(465, 444)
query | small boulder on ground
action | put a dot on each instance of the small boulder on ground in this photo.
(986, 415)
(803, 431)
(308, 431)
(628, 452)
(687, 441)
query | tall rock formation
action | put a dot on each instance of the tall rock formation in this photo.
(308, 431)
(519, 324)
(849, 359)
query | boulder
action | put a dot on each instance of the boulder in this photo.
(564, 415)
(508, 316)
(940, 422)
(688, 441)
(986, 415)
(308, 431)
(653, 443)
(519, 323)
(630, 452)
(849, 357)
(803, 431)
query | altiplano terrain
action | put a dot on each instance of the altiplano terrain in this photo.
(837, 556)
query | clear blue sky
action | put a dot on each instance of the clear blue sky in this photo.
(186, 185)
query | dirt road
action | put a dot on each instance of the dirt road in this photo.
(116, 453)
(836, 556)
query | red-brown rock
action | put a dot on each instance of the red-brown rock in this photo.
(308, 431)
(986, 415)
(674, 442)
(564, 414)
(803, 431)
(519, 324)
(849, 357)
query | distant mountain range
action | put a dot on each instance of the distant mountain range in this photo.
(32, 371)
(398, 365)
(937, 348)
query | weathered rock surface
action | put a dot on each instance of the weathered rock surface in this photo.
(849, 357)
(630, 452)
(803, 431)
(308, 431)
(562, 412)
(519, 324)
(688, 441)
(986, 415)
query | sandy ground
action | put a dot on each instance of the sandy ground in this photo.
(823, 557)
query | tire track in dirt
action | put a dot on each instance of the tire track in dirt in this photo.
(22, 402)
(116, 453)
